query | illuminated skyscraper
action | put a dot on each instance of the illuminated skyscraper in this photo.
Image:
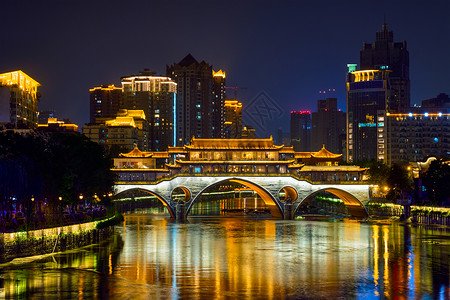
(105, 102)
(218, 104)
(156, 96)
(328, 126)
(233, 119)
(194, 107)
(19, 98)
(301, 130)
(368, 93)
(122, 133)
(393, 56)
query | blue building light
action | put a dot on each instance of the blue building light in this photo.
(410, 114)
(436, 140)
(426, 114)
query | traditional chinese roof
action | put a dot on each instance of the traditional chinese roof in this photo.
(287, 149)
(136, 153)
(232, 144)
(324, 153)
(302, 155)
(236, 162)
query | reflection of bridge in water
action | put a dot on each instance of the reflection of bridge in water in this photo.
(257, 164)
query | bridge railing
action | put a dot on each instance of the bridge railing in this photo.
(301, 178)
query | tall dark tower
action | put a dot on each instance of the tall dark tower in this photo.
(393, 56)
(328, 126)
(194, 98)
(301, 130)
(218, 105)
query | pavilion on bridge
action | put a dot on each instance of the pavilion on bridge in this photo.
(234, 157)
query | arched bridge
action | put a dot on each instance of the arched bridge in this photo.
(354, 194)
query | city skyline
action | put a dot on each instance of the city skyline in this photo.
(289, 50)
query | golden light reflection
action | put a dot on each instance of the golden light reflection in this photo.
(210, 258)
(375, 255)
(385, 230)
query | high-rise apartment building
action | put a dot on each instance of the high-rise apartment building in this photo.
(218, 105)
(301, 130)
(233, 119)
(393, 56)
(19, 98)
(105, 101)
(194, 99)
(122, 133)
(156, 96)
(328, 126)
(418, 132)
(368, 93)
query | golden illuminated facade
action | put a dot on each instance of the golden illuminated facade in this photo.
(129, 128)
(138, 165)
(105, 102)
(218, 105)
(233, 119)
(156, 96)
(55, 125)
(229, 157)
(368, 94)
(19, 98)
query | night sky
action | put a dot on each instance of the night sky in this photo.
(289, 49)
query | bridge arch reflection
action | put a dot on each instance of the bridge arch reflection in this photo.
(354, 206)
(140, 190)
(274, 205)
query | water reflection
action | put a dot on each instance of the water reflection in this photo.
(216, 257)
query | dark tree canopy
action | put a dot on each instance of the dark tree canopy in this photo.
(437, 182)
(51, 166)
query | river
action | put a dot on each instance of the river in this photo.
(151, 256)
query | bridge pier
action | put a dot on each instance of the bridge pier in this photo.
(180, 214)
(287, 210)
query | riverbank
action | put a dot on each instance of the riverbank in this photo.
(57, 239)
(426, 215)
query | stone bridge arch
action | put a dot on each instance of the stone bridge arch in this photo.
(271, 201)
(268, 187)
(159, 197)
(355, 206)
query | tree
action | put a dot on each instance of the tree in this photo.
(400, 181)
(378, 173)
(437, 182)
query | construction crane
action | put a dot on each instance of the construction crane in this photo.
(235, 88)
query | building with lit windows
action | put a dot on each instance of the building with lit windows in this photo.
(218, 105)
(219, 157)
(368, 94)
(233, 119)
(104, 102)
(19, 98)
(393, 56)
(55, 125)
(301, 130)
(122, 133)
(328, 126)
(194, 109)
(415, 136)
(157, 97)
(419, 132)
